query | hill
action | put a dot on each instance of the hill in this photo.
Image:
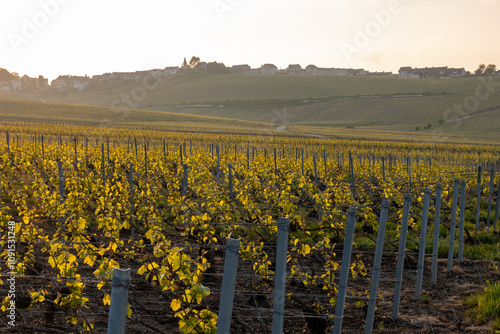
(420, 109)
(30, 111)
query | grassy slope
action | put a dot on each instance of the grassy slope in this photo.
(17, 110)
(279, 100)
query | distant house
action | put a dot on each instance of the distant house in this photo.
(42, 82)
(497, 73)
(379, 74)
(5, 86)
(268, 69)
(432, 72)
(241, 69)
(359, 71)
(79, 82)
(170, 70)
(453, 73)
(312, 70)
(295, 70)
(61, 81)
(17, 85)
(404, 72)
(326, 71)
(140, 75)
(124, 76)
(68, 81)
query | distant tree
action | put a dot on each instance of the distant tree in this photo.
(217, 68)
(490, 69)
(194, 61)
(480, 69)
(417, 128)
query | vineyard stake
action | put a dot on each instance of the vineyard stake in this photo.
(478, 205)
(497, 209)
(275, 165)
(302, 161)
(462, 223)
(61, 193)
(107, 149)
(324, 158)
(315, 172)
(409, 172)
(119, 298)
(146, 159)
(76, 155)
(421, 247)
(377, 261)
(218, 164)
(102, 165)
(453, 225)
(401, 256)
(228, 286)
(184, 180)
(435, 243)
(344, 271)
(231, 195)
(383, 168)
(8, 144)
(490, 196)
(131, 181)
(280, 275)
(181, 155)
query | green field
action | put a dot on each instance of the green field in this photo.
(369, 107)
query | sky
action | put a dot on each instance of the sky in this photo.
(89, 37)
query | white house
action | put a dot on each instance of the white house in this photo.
(5, 86)
(268, 69)
(295, 69)
(432, 72)
(404, 72)
(241, 69)
(170, 70)
(61, 81)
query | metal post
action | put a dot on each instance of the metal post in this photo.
(280, 276)
(435, 243)
(184, 180)
(275, 164)
(497, 209)
(230, 167)
(401, 256)
(478, 205)
(315, 172)
(490, 196)
(218, 164)
(131, 181)
(119, 298)
(377, 261)
(383, 168)
(453, 224)
(102, 166)
(421, 247)
(344, 271)
(228, 286)
(462, 223)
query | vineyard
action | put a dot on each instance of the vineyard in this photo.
(76, 202)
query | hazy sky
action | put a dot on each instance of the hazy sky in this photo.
(54, 37)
